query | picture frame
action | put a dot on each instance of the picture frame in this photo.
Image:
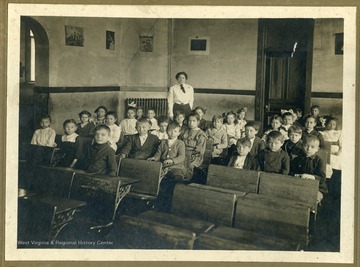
(199, 45)
(74, 36)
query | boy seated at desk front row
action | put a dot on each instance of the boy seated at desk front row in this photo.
(243, 159)
(308, 165)
(171, 153)
(141, 145)
(100, 158)
(273, 159)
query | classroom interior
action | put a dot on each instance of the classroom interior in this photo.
(245, 64)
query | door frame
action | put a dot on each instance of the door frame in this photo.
(261, 68)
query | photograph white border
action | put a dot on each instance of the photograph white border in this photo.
(15, 11)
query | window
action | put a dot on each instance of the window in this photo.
(32, 57)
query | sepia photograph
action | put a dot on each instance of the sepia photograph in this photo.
(164, 148)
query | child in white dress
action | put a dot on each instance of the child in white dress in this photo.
(331, 134)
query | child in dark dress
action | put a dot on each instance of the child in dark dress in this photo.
(70, 143)
(310, 123)
(85, 128)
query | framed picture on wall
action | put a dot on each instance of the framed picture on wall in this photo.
(110, 40)
(146, 43)
(74, 36)
(199, 45)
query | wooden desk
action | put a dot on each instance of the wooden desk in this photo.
(102, 194)
(43, 217)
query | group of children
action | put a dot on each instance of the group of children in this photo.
(289, 146)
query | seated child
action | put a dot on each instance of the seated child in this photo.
(276, 125)
(293, 146)
(298, 117)
(115, 131)
(218, 134)
(232, 128)
(85, 128)
(45, 136)
(151, 117)
(315, 112)
(308, 165)
(70, 144)
(171, 153)
(288, 121)
(251, 130)
(139, 113)
(331, 134)
(241, 114)
(201, 112)
(100, 158)
(128, 125)
(141, 145)
(179, 117)
(100, 115)
(273, 159)
(163, 124)
(242, 159)
(195, 142)
(310, 123)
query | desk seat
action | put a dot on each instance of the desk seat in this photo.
(193, 225)
(227, 238)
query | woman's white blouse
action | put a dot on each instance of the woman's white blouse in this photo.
(177, 96)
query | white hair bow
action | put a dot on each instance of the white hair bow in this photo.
(285, 111)
(132, 104)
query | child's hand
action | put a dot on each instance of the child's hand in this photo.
(122, 156)
(151, 159)
(168, 161)
(337, 153)
(307, 176)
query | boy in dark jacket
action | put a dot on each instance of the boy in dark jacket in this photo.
(243, 159)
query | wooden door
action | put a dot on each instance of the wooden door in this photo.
(284, 66)
(285, 76)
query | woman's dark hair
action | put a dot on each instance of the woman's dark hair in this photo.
(85, 112)
(100, 107)
(179, 73)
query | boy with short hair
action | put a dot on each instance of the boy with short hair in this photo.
(251, 130)
(171, 153)
(273, 159)
(310, 123)
(163, 124)
(151, 117)
(141, 145)
(315, 112)
(293, 146)
(101, 157)
(309, 165)
(179, 117)
(242, 159)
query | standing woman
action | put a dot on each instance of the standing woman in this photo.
(181, 96)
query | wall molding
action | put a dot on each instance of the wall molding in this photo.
(89, 89)
(224, 91)
(78, 89)
(326, 95)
